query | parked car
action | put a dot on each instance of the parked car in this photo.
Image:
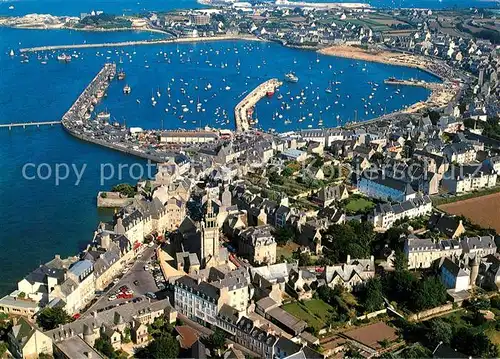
(112, 297)
(151, 295)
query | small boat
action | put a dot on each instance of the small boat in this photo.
(12, 53)
(121, 75)
(64, 58)
(291, 77)
(126, 89)
(270, 94)
(11, 7)
(104, 115)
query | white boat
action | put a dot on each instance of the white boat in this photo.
(104, 115)
(64, 58)
(291, 77)
(12, 53)
(127, 89)
(11, 7)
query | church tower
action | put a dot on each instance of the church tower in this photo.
(474, 271)
(210, 236)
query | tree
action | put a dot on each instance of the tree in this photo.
(400, 261)
(469, 342)
(398, 286)
(103, 346)
(353, 353)
(126, 336)
(275, 178)
(372, 296)
(305, 260)
(283, 235)
(21, 295)
(3, 348)
(429, 293)
(439, 331)
(50, 318)
(352, 238)
(415, 351)
(125, 189)
(162, 347)
(287, 172)
(217, 339)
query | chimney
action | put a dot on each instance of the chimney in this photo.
(94, 314)
(348, 258)
(88, 354)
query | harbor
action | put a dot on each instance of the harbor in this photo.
(112, 136)
(244, 110)
(200, 64)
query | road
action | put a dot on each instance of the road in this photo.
(205, 332)
(146, 283)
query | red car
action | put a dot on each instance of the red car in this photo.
(124, 296)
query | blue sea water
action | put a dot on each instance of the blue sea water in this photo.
(127, 7)
(39, 219)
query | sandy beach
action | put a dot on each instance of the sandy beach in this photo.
(441, 93)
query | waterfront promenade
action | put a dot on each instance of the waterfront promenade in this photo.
(140, 42)
(241, 111)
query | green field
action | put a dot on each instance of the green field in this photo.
(355, 205)
(314, 312)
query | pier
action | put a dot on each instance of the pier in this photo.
(137, 43)
(115, 137)
(418, 83)
(242, 109)
(29, 124)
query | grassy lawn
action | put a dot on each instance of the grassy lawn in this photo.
(286, 250)
(318, 307)
(494, 335)
(359, 205)
(301, 312)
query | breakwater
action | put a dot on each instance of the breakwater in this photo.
(74, 120)
(242, 111)
(139, 43)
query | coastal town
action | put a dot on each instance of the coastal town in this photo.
(376, 238)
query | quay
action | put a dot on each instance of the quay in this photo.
(27, 124)
(418, 83)
(109, 136)
(140, 42)
(243, 110)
